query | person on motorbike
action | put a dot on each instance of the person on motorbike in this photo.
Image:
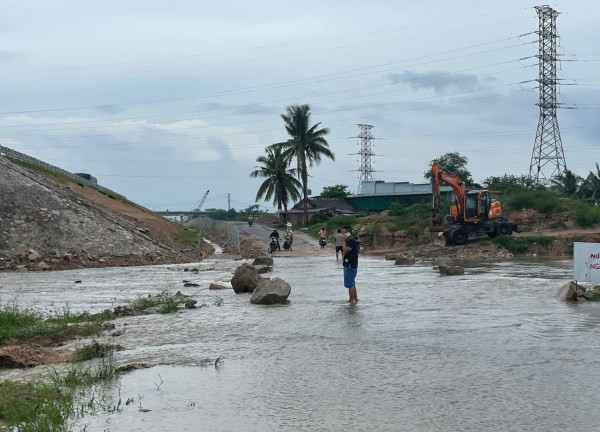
(250, 220)
(289, 235)
(322, 237)
(275, 237)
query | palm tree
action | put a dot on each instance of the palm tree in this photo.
(567, 183)
(280, 182)
(590, 187)
(307, 144)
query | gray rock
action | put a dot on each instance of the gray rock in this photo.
(245, 279)
(33, 255)
(404, 259)
(43, 266)
(263, 269)
(448, 270)
(269, 292)
(568, 292)
(263, 261)
(190, 304)
(215, 286)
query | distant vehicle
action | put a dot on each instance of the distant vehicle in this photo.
(87, 177)
(474, 212)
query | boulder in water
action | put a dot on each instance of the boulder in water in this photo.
(245, 279)
(269, 292)
(449, 270)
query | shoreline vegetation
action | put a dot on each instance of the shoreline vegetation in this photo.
(64, 394)
(49, 402)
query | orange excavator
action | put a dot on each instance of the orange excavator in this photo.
(473, 214)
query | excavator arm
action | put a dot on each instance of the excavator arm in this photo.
(440, 177)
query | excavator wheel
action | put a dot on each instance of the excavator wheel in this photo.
(504, 229)
(459, 236)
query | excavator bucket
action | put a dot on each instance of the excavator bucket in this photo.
(437, 236)
(439, 239)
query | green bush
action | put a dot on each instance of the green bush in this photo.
(522, 245)
(320, 219)
(418, 209)
(543, 201)
(587, 216)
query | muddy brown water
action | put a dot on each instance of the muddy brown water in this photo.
(488, 351)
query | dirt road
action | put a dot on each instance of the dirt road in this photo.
(304, 245)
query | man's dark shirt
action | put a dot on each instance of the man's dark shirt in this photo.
(275, 234)
(351, 257)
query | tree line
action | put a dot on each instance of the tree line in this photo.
(284, 168)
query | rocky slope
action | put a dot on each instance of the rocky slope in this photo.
(47, 224)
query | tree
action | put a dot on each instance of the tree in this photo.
(280, 183)
(566, 184)
(337, 191)
(511, 183)
(307, 145)
(590, 188)
(456, 164)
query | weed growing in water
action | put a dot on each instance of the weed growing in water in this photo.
(165, 302)
(93, 350)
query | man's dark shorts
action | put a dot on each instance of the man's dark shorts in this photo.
(338, 249)
(349, 277)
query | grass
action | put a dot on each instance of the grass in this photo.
(165, 302)
(93, 350)
(543, 201)
(50, 404)
(18, 323)
(522, 245)
(66, 179)
(189, 236)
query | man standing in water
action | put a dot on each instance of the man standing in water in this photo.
(350, 262)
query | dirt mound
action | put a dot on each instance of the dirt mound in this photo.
(28, 354)
(46, 224)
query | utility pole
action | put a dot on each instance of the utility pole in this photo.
(365, 138)
(228, 202)
(547, 158)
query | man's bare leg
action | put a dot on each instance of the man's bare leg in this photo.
(353, 294)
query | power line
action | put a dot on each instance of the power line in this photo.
(343, 37)
(253, 88)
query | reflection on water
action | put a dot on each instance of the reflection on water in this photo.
(487, 351)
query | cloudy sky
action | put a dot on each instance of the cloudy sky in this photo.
(163, 101)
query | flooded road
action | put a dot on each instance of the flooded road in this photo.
(488, 351)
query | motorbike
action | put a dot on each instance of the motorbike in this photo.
(361, 246)
(287, 244)
(273, 246)
(322, 242)
(250, 222)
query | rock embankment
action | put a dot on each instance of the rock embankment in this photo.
(46, 224)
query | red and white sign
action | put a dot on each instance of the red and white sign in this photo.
(586, 262)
